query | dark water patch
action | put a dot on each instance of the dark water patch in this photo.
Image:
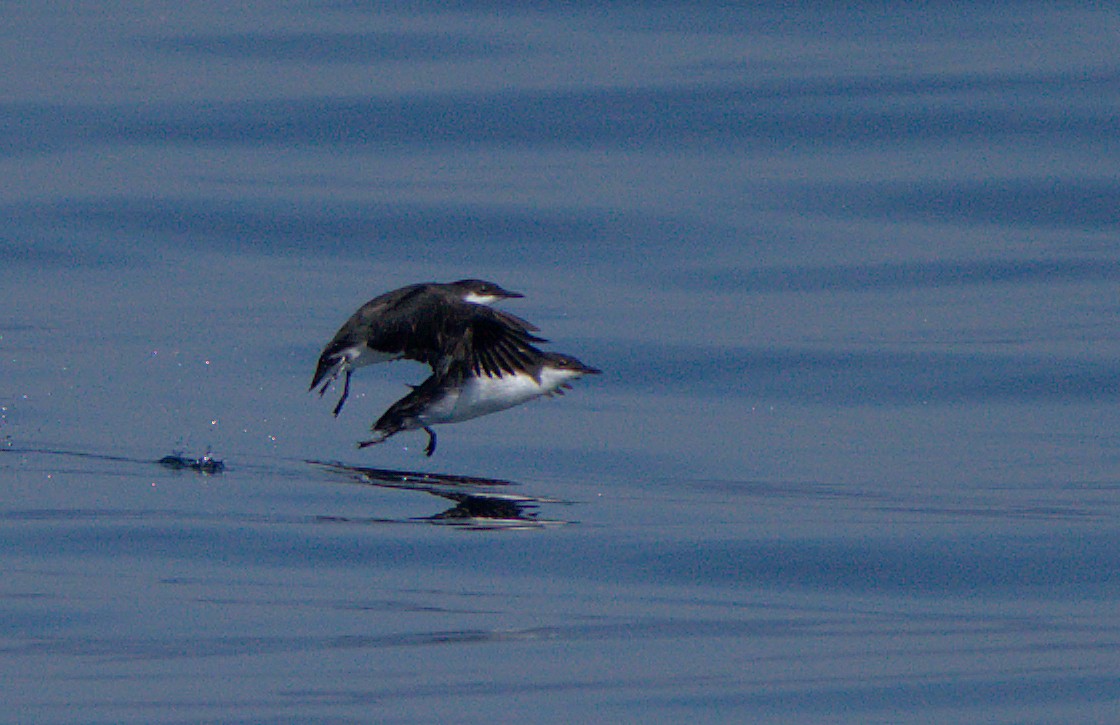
(999, 512)
(17, 326)
(153, 648)
(867, 377)
(109, 517)
(756, 22)
(49, 252)
(1042, 202)
(367, 231)
(593, 629)
(786, 114)
(941, 274)
(32, 618)
(931, 694)
(1060, 566)
(981, 566)
(299, 47)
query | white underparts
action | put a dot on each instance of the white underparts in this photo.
(482, 395)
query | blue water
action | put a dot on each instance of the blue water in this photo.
(850, 271)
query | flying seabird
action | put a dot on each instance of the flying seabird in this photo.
(440, 325)
(464, 391)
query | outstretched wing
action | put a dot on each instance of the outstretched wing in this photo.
(429, 324)
(355, 332)
(485, 341)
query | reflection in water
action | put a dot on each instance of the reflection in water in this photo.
(475, 508)
(477, 505)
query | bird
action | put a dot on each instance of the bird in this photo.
(464, 391)
(433, 323)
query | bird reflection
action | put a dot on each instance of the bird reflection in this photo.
(474, 509)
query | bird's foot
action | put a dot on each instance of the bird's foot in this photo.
(345, 394)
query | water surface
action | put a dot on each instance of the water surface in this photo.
(850, 274)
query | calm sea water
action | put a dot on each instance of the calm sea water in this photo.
(850, 272)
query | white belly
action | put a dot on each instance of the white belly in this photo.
(482, 396)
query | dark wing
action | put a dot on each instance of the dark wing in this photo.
(439, 328)
(484, 341)
(515, 321)
(429, 324)
(357, 330)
